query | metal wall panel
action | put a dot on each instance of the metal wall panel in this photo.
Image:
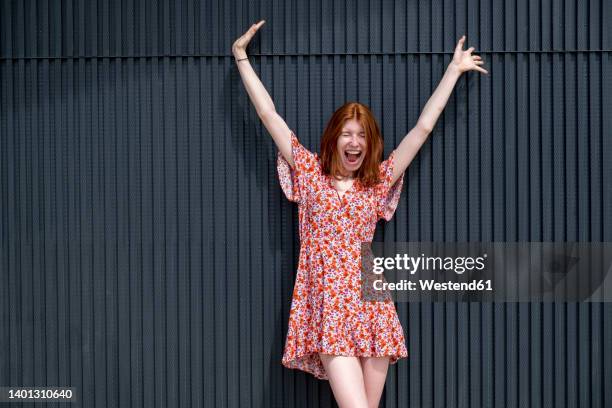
(53, 28)
(148, 254)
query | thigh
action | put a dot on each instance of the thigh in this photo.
(374, 377)
(346, 380)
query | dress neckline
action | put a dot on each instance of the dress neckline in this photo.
(348, 190)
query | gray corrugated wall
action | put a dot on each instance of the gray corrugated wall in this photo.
(148, 255)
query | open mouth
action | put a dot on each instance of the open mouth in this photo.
(352, 156)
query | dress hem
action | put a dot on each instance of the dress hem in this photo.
(291, 364)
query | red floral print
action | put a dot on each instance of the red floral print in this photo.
(327, 312)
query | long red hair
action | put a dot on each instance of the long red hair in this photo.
(367, 174)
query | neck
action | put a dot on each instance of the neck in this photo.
(347, 175)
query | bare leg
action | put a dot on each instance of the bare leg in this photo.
(374, 376)
(346, 380)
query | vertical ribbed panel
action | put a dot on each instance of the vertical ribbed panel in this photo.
(147, 252)
(54, 28)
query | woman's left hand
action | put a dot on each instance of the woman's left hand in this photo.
(464, 60)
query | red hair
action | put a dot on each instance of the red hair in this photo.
(368, 172)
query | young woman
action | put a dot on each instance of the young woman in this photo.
(333, 333)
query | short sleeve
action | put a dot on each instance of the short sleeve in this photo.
(388, 195)
(297, 182)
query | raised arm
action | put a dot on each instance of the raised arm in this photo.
(259, 96)
(411, 143)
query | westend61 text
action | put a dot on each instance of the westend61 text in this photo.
(429, 284)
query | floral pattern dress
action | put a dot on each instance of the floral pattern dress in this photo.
(327, 312)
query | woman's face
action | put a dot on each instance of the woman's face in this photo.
(352, 146)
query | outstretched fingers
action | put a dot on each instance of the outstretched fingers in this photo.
(251, 31)
(459, 46)
(477, 61)
(256, 26)
(243, 41)
(484, 71)
(464, 60)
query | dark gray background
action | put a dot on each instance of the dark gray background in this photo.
(148, 255)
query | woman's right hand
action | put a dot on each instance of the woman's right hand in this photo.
(240, 45)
